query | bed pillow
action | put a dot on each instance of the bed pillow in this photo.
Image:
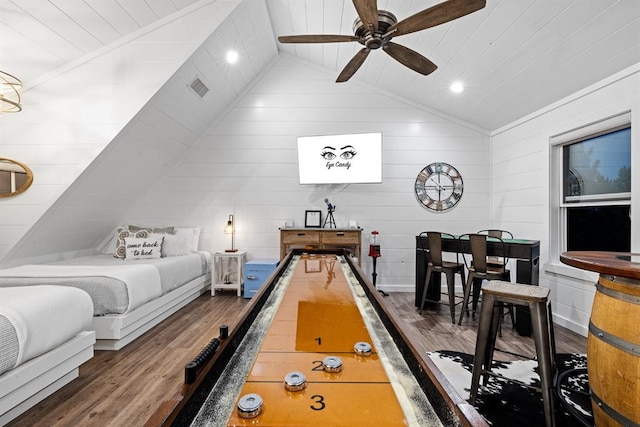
(182, 242)
(135, 231)
(123, 233)
(143, 248)
(157, 230)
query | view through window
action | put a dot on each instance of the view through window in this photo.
(596, 195)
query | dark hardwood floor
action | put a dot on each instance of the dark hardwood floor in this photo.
(124, 388)
(433, 331)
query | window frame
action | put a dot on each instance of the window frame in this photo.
(558, 205)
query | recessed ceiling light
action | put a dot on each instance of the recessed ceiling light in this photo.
(457, 87)
(232, 56)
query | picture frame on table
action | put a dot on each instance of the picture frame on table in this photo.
(312, 219)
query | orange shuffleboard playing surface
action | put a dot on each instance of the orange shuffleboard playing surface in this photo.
(319, 314)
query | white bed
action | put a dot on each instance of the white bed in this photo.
(44, 338)
(129, 296)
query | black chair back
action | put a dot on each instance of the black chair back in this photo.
(434, 239)
(478, 244)
(479, 253)
(435, 245)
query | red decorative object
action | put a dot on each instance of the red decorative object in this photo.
(374, 253)
(374, 247)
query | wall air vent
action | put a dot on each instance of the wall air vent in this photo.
(199, 87)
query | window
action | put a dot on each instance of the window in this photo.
(598, 168)
(599, 228)
(595, 200)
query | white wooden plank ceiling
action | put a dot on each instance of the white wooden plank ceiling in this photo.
(514, 56)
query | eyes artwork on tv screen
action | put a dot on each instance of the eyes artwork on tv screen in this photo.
(340, 159)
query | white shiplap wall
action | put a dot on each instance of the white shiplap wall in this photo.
(99, 134)
(246, 164)
(521, 185)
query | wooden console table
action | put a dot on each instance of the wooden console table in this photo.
(321, 238)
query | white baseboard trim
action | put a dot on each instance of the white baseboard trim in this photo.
(571, 325)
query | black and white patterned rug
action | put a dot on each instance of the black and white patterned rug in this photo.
(507, 403)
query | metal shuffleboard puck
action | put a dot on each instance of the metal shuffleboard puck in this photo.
(332, 364)
(295, 381)
(362, 348)
(249, 405)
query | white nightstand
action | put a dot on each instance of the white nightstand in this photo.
(228, 271)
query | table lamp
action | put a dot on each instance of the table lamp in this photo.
(230, 228)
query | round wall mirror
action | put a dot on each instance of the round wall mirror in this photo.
(15, 177)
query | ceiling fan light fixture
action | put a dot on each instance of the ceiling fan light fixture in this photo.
(9, 95)
(374, 28)
(385, 20)
(457, 87)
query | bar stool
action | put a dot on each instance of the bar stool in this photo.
(436, 265)
(479, 270)
(496, 293)
(499, 261)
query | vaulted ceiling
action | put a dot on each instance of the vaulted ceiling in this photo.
(514, 56)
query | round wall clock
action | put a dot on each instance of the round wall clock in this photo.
(439, 186)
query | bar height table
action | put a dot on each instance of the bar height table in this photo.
(525, 252)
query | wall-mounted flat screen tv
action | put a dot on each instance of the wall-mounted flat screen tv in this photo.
(340, 159)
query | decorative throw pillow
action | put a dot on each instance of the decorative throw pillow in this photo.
(182, 242)
(135, 231)
(123, 233)
(143, 248)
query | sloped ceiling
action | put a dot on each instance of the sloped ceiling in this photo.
(514, 56)
(164, 128)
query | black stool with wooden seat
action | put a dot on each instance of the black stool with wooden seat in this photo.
(437, 265)
(495, 294)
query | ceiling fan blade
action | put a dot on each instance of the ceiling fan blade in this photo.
(353, 65)
(409, 58)
(439, 14)
(318, 38)
(368, 13)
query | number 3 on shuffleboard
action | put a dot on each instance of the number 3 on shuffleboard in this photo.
(319, 404)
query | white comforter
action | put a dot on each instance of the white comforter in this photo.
(142, 280)
(45, 317)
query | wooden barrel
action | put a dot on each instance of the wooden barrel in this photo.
(613, 352)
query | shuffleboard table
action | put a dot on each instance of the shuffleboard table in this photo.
(315, 347)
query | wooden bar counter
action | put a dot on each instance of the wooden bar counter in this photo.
(613, 342)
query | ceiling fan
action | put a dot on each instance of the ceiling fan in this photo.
(375, 28)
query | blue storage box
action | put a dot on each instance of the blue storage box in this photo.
(256, 272)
